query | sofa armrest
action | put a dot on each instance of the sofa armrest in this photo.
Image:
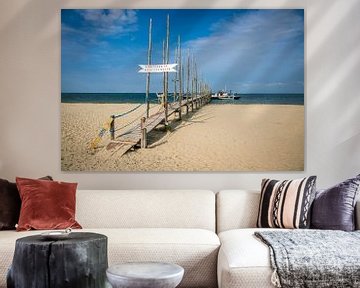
(357, 215)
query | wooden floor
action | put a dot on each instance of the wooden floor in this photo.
(132, 137)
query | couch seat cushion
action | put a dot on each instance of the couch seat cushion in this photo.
(196, 250)
(244, 261)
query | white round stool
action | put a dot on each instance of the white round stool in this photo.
(145, 275)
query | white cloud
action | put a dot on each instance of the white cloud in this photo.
(255, 47)
(115, 21)
(102, 22)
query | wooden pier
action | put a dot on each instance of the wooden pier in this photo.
(137, 135)
(197, 94)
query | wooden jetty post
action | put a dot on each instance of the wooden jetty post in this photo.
(182, 79)
(167, 73)
(201, 93)
(112, 127)
(188, 82)
(163, 61)
(180, 76)
(176, 76)
(148, 74)
(192, 83)
(143, 133)
(195, 85)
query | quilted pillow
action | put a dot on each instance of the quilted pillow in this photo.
(334, 208)
(46, 204)
(286, 204)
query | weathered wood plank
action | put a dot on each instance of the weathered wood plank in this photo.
(125, 141)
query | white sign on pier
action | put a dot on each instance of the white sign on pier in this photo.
(157, 68)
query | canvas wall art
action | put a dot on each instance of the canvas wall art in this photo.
(182, 90)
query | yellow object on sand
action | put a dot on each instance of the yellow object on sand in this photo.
(104, 128)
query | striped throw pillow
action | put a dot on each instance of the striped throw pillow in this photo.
(286, 204)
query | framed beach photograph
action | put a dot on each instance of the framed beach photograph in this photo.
(182, 90)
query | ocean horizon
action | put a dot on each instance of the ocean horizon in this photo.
(116, 98)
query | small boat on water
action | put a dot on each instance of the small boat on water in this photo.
(224, 95)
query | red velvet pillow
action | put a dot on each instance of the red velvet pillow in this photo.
(10, 204)
(46, 204)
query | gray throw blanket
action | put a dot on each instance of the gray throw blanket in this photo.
(313, 258)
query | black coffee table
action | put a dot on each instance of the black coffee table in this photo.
(78, 261)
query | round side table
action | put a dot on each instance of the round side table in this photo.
(145, 275)
(78, 261)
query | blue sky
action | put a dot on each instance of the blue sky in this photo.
(249, 51)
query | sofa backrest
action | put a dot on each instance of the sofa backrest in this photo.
(239, 209)
(236, 209)
(146, 209)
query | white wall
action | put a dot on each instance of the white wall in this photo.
(30, 93)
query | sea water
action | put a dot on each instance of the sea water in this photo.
(284, 99)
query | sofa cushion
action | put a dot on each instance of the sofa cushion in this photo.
(244, 261)
(10, 204)
(334, 208)
(194, 249)
(146, 209)
(286, 204)
(46, 204)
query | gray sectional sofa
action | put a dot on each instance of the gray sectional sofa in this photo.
(210, 235)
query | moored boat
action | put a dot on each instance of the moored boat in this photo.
(224, 95)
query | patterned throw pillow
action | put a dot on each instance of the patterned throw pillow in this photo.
(286, 204)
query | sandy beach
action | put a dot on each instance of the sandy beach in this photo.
(214, 138)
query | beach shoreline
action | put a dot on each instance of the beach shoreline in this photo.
(218, 138)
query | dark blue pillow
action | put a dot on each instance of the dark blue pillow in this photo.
(334, 208)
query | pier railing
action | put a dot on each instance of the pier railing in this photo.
(137, 133)
(115, 116)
